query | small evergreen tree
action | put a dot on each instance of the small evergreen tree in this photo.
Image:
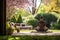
(19, 20)
(13, 19)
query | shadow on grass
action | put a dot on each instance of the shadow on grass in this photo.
(30, 37)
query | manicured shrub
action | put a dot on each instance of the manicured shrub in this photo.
(55, 26)
(19, 20)
(13, 19)
(47, 17)
(38, 16)
(50, 17)
(33, 22)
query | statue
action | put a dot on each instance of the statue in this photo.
(41, 25)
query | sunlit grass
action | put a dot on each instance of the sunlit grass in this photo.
(55, 30)
(35, 30)
(29, 31)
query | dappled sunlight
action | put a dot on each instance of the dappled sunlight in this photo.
(29, 31)
(28, 13)
(58, 31)
(24, 31)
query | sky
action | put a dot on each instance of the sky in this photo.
(37, 4)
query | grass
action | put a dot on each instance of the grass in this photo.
(25, 31)
(28, 31)
(35, 30)
(29, 37)
(55, 30)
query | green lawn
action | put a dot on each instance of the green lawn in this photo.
(35, 30)
(29, 37)
(55, 30)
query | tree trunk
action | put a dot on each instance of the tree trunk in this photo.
(33, 10)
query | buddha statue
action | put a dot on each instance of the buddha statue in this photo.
(41, 25)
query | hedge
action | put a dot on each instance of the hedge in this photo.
(48, 17)
(33, 22)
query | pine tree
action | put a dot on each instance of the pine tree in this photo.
(19, 20)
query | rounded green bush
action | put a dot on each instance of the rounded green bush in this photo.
(48, 17)
(55, 26)
(33, 22)
(38, 16)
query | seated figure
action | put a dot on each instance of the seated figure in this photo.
(42, 25)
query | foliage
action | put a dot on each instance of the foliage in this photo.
(48, 17)
(55, 26)
(59, 21)
(23, 12)
(46, 6)
(30, 17)
(10, 11)
(53, 6)
(19, 20)
(9, 30)
(49, 6)
(13, 5)
(7, 25)
(41, 8)
(30, 37)
(33, 22)
(38, 16)
(13, 19)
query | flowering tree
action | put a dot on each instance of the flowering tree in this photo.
(30, 5)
